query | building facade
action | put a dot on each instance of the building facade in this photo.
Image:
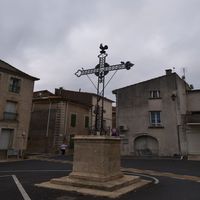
(57, 118)
(90, 99)
(16, 91)
(153, 118)
(192, 121)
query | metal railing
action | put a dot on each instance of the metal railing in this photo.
(193, 118)
(10, 116)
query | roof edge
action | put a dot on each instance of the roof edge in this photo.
(17, 71)
(174, 74)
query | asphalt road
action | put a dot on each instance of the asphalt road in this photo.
(17, 180)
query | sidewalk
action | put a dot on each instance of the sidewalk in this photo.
(11, 160)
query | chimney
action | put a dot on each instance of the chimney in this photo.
(168, 71)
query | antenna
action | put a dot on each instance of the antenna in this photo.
(183, 77)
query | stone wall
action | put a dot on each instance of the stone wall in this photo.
(23, 100)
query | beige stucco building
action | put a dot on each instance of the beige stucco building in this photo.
(60, 116)
(156, 117)
(16, 91)
(90, 99)
(192, 121)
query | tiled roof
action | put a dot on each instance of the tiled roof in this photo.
(85, 97)
(42, 93)
(12, 70)
(55, 98)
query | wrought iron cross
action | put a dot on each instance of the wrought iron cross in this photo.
(101, 70)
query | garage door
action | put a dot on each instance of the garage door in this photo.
(146, 146)
(193, 143)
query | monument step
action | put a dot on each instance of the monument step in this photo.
(106, 186)
(96, 192)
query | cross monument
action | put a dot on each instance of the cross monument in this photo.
(101, 70)
(96, 159)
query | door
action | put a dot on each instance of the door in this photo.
(193, 139)
(146, 146)
(6, 137)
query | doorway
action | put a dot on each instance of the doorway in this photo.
(146, 146)
(6, 138)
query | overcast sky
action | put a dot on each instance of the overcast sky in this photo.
(52, 39)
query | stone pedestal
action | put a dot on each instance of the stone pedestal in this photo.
(96, 169)
(96, 158)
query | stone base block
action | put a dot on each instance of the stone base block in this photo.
(95, 177)
(112, 189)
(107, 186)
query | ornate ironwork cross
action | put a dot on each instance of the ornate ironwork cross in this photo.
(101, 70)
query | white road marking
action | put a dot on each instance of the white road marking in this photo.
(21, 189)
(156, 181)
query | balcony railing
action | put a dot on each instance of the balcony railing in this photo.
(9, 116)
(193, 118)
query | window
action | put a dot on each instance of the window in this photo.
(14, 85)
(155, 118)
(154, 94)
(73, 120)
(6, 137)
(10, 111)
(86, 122)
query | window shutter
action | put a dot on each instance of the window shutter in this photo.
(11, 107)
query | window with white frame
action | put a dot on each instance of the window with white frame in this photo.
(10, 112)
(155, 118)
(154, 94)
(14, 85)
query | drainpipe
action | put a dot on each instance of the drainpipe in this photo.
(179, 141)
(65, 121)
(91, 118)
(48, 119)
(177, 120)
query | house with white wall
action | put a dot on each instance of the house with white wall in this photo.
(159, 117)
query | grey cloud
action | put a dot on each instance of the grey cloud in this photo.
(51, 39)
